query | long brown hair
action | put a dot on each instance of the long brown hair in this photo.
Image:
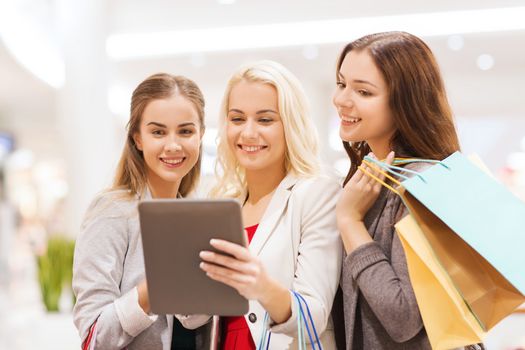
(131, 170)
(417, 98)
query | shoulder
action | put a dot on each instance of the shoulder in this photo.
(315, 194)
(111, 204)
(321, 184)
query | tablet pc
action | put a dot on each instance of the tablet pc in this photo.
(174, 232)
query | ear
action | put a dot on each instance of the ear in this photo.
(138, 141)
(203, 129)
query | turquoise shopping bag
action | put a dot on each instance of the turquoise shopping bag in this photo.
(473, 226)
(477, 208)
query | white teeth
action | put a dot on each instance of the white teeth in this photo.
(173, 161)
(350, 120)
(252, 148)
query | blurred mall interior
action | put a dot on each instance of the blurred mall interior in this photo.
(68, 68)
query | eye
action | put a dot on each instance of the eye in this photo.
(340, 84)
(363, 92)
(158, 132)
(236, 119)
(265, 120)
(186, 131)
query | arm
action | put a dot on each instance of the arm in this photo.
(97, 272)
(246, 273)
(318, 252)
(319, 256)
(385, 284)
(386, 287)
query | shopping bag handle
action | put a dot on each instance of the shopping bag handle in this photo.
(384, 173)
(264, 333)
(401, 161)
(398, 161)
(264, 341)
(394, 170)
(300, 299)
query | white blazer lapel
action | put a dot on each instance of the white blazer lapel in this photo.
(272, 214)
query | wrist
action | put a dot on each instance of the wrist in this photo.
(276, 300)
(143, 298)
(354, 234)
(349, 223)
(271, 291)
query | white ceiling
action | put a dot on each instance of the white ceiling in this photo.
(26, 103)
(138, 15)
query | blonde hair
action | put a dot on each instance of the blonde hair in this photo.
(131, 170)
(301, 155)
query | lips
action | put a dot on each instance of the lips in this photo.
(349, 121)
(173, 162)
(251, 148)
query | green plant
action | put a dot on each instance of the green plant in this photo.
(55, 269)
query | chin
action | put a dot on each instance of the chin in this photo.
(174, 176)
(252, 166)
(349, 138)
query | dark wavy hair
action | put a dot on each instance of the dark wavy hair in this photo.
(417, 98)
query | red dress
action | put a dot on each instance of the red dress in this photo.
(236, 332)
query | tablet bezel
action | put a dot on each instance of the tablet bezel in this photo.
(174, 232)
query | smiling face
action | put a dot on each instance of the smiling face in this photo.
(361, 99)
(169, 138)
(254, 127)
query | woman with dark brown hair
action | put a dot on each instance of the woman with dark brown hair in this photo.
(392, 102)
(161, 159)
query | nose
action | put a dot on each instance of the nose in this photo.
(172, 144)
(342, 99)
(249, 130)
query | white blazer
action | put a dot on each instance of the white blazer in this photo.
(298, 243)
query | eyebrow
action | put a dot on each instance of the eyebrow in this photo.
(164, 126)
(262, 111)
(157, 124)
(359, 81)
(186, 124)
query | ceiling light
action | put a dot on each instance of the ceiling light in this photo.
(455, 42)
(139, 45)
(485, 62)
(310, 52)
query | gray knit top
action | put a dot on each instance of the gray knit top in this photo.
(380, 308)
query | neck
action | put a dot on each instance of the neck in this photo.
(160, 188)
(380, 148)
(263, 182)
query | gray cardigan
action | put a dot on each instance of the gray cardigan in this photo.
(108, 264)
(380, 308)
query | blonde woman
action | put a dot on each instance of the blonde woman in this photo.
(161, 159)
(267, 159)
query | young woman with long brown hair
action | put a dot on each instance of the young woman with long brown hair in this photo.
(392, 102)
(161, 159)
